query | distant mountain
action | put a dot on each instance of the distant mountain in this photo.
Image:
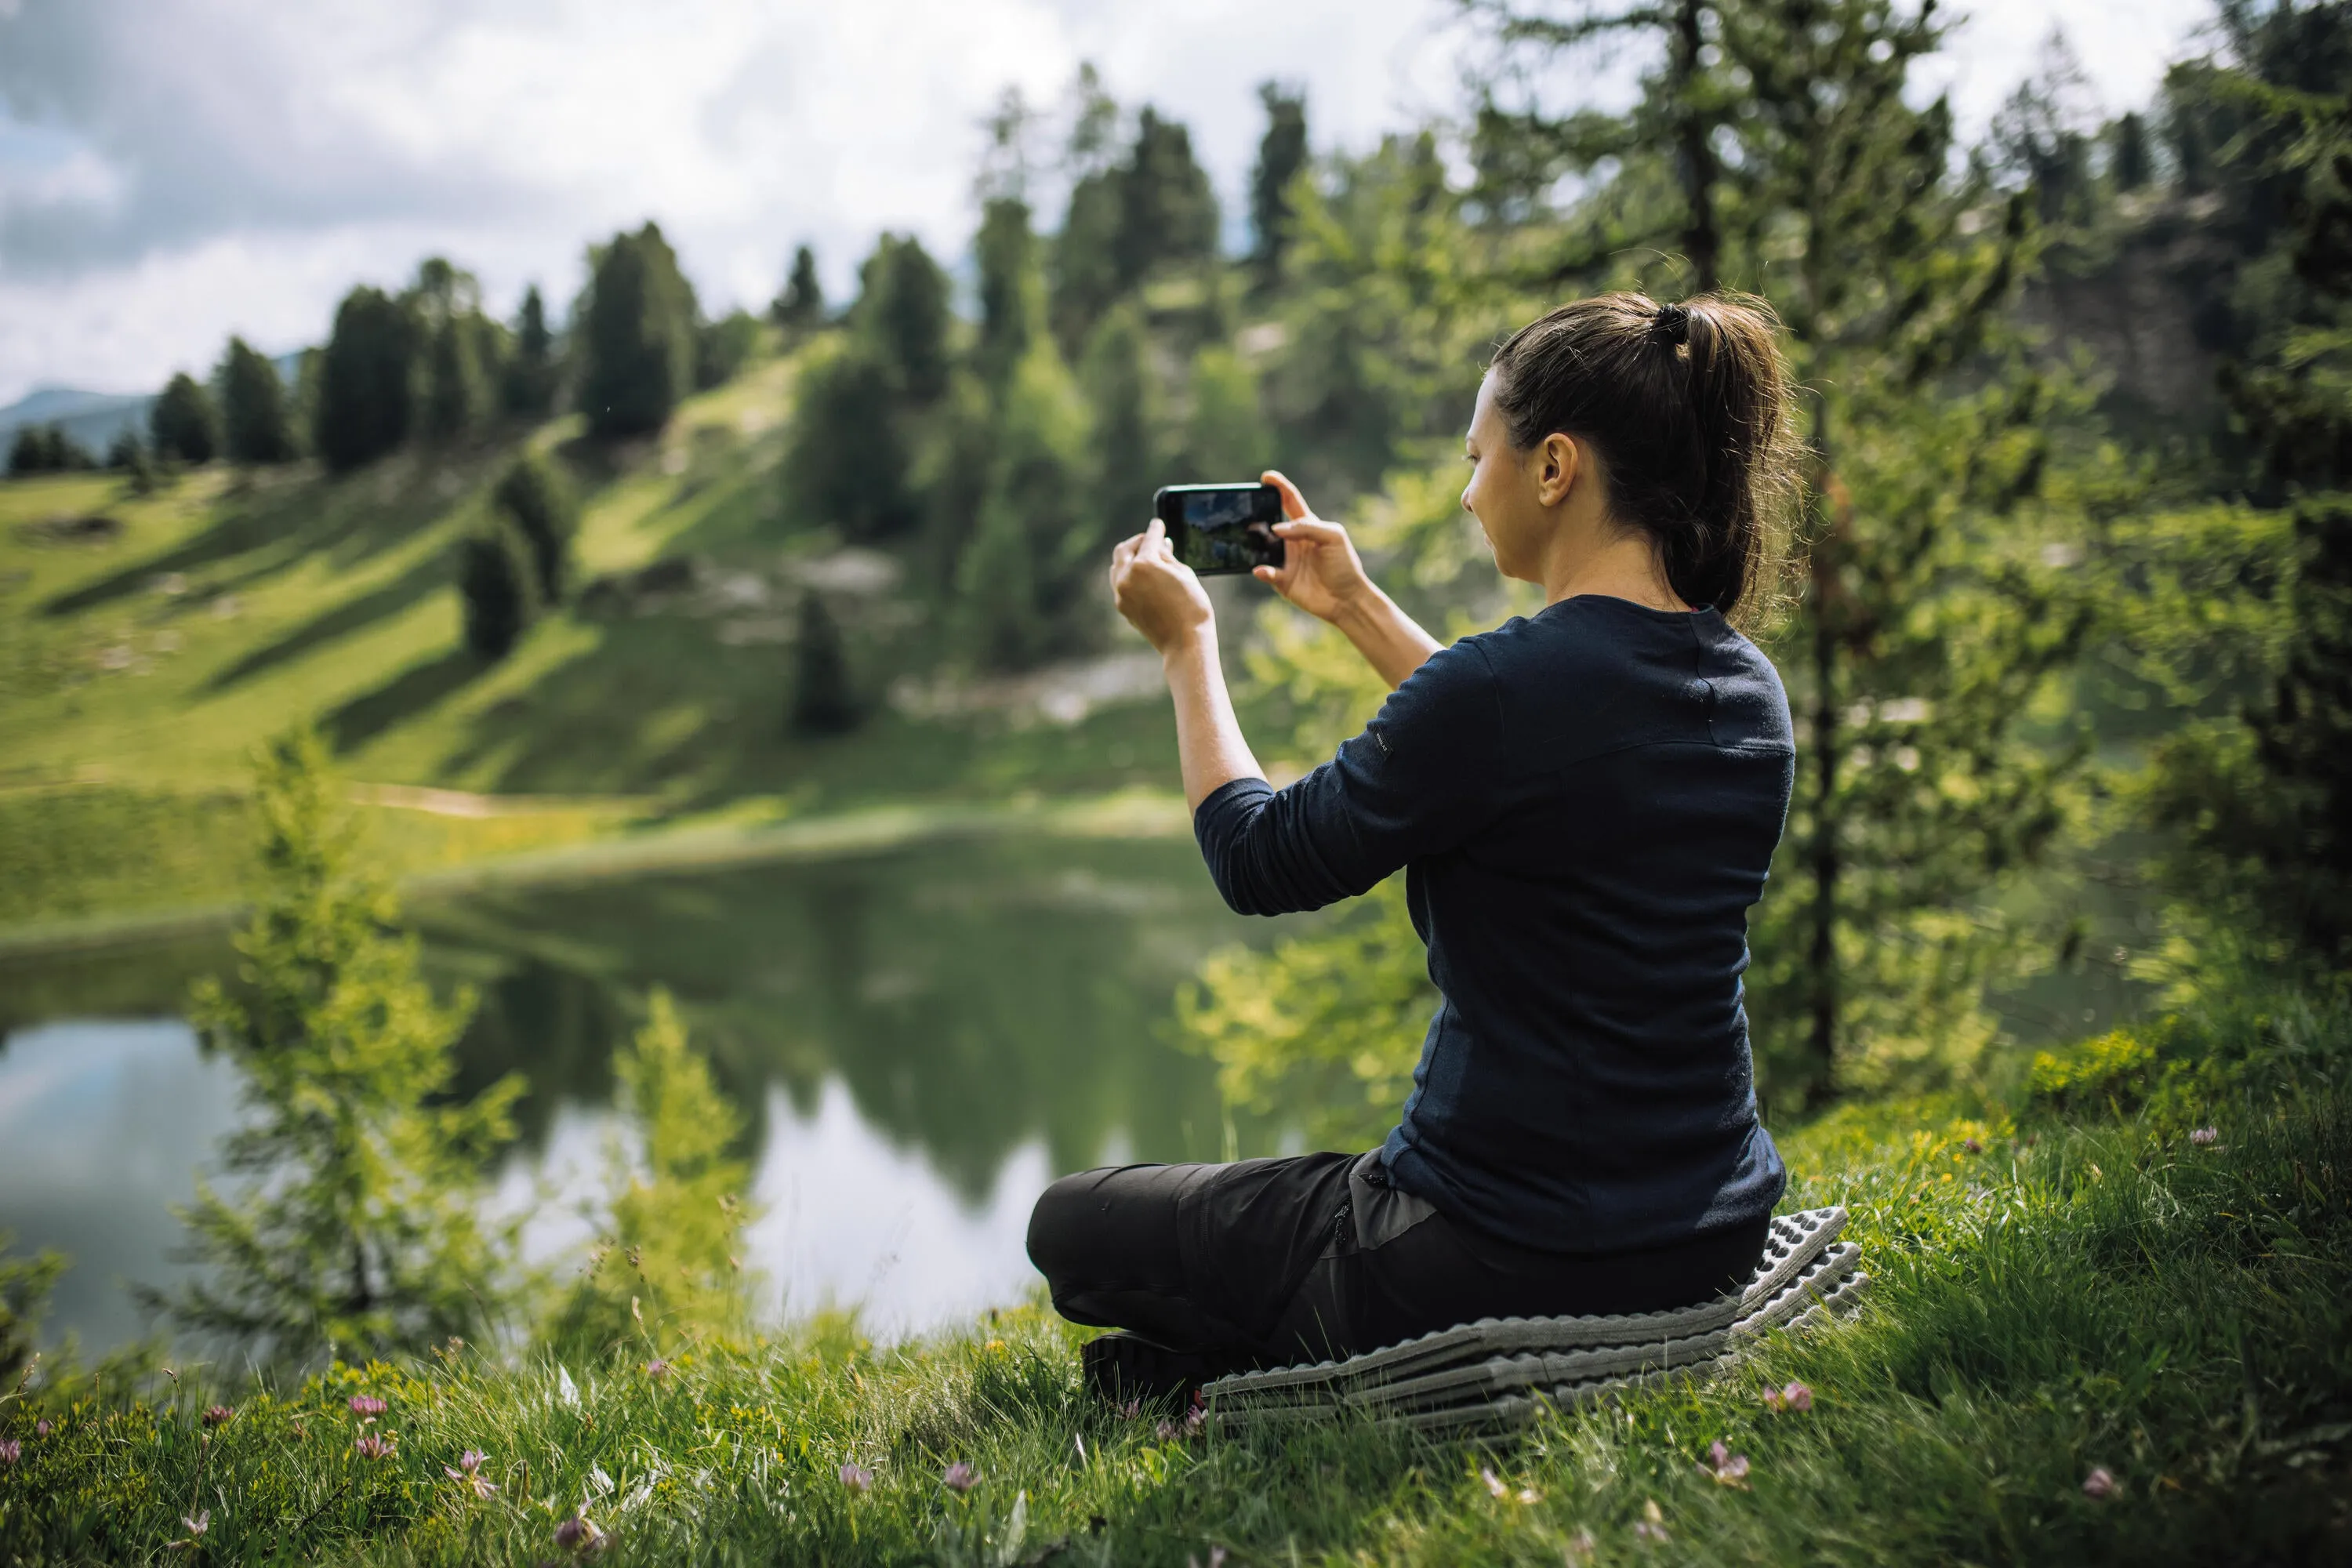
(94, 418)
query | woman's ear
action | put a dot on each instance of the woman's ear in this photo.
(1558, 462)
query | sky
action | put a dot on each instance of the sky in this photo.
(175, 171)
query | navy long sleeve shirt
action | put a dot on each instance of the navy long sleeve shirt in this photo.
(1585, 803)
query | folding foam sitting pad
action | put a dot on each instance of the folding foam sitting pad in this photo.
(1497, 1371)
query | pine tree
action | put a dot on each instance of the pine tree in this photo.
(1012, 291)
(667, 1263)
(901, 316)
(801, 307)
(460, 356)
(824, 700)
(498, 588)
(723, 347)
(535, 497)
(184, 424)
(1225, 434)
(530, 382)
(124, 454)
(1027, 583)
(1281, 155)
(354, 1226)
(1167, 212)
(637, 338)
(1125, 454)
(848, 464)
(368, 379)
(253, 407)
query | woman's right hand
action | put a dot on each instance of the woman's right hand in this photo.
(1320, 570)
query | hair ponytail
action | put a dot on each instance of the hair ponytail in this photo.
(1687, 407)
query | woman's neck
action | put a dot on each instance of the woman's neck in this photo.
(1624, 565)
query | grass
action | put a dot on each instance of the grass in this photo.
(141, 664)
(2050, 1296)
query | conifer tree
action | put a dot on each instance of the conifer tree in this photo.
(47, 449)
(529, 383)
(901, 317)
(534, 496)
(1225, 435)
(801, 307)
(124, 454)
(253, 407)
(368, 379)
(1125, 454)
(354, 1229)
(1012, 294)
(637, 337)
(849, 464)
(668, 1262)
(1167, 212)
(184, 423)
(1281, 155)
(723, 347)
(825, 699)
(498, 588)
(1024, 579)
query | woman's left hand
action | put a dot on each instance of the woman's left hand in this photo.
(1159, 595)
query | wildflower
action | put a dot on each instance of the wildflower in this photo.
(468, 1469)
(2100, 1484)
(219, 1415)
(657, 1368)
(579, 1534)
(366, 1404)
(41, 1429)
(856, 1478)
(1725, 1468)
(1131, 1411)
(960, 1476)
(11, 1451)
(198, 1523)
(1216, 1558)
(2203, 1137)
(371, 1447)
(1497, 1485)
(1580, 1548)
(1972, 1145)
(1788, 1396)
(1651, 1525)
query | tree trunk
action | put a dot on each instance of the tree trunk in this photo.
(1695, 160)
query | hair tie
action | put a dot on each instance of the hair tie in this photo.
(1670, 326)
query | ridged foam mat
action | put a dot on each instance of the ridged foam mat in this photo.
(1497, 1371)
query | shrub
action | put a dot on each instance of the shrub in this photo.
(496, 580)
(537, 499)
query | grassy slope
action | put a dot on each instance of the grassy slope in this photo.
(2052, 1298)
(136, 675)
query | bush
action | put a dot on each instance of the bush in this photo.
(724, 347)
(537, 499)
(498, 580)
(825, 702)
(253, 407)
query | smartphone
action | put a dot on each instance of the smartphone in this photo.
(1222, 529)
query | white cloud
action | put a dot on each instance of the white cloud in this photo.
(174, 170)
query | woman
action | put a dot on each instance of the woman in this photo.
(1585, 803)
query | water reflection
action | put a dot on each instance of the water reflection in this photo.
(921, 1041)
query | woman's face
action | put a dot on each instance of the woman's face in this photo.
(1507, 489)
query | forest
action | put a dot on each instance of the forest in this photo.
(2047, 986)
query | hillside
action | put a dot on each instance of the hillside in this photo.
(148, 643)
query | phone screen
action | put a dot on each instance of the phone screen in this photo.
(1222, 529)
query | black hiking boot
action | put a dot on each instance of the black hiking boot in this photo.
(1127, 1368)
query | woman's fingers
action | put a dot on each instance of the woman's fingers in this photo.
(1294, 505)
(1313, 531)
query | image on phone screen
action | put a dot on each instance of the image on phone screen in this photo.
(1222, 529)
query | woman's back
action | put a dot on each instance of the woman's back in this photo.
(1586, 801)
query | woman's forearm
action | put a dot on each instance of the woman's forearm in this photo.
(1391, 642)
(1209, 742)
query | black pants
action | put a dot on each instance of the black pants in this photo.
(1315, 1256)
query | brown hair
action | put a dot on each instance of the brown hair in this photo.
(1687, 407)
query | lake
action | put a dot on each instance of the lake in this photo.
(920, 1040)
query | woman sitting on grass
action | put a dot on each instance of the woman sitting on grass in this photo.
(1585, 803)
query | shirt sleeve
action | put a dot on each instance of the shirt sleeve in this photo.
(1422, 776)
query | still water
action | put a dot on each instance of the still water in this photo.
(919, 1041)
